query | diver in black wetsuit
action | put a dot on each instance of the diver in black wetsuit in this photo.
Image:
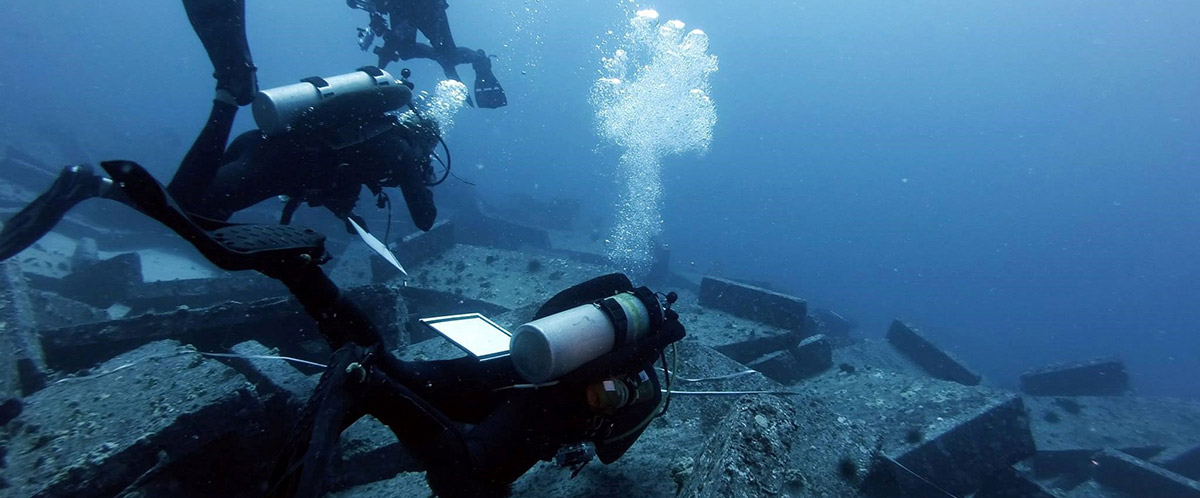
(404, 18)
(323, 167)
(471, 423)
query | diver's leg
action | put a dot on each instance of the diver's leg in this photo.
(200, 165)
(339, 319)
(439, 444)
(436, 28)
(306, 456)
(221, 26)
(398, 43)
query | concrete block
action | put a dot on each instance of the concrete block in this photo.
(23, 367)
(703, 369)
(95, 435)
(273, 377)
(934, 360)
(354, 265)
(742, 457)
(269, 320)
(1096, 377)
(1137, 477)
(483, 230)
(1069, 430)
(1182, 460)
(54, 311)
(278, 322)
(956, 455)
(368, 451)
(754, 303)
(104, 282)
(1008, 483)
(833, 325)
(166, 295)
(418, 247)
(870, 354)
(812, 356)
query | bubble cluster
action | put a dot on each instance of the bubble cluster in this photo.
(652, 99)
(442, 105)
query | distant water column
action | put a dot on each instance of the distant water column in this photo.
(652, 99)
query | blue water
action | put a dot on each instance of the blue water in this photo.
(1018, 179)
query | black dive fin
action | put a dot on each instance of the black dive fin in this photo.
(221, 27)
(593, 290)
(230, 246)
(488, 92)
(74, 185)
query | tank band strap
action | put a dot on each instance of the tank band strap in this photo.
(620, 322)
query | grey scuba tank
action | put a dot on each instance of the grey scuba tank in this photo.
(332, 102)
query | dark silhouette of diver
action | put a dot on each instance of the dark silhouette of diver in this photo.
(472, 424)
(324, 161)
(397, 23)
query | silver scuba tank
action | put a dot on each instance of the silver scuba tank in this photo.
(317, 103)
(549, 347)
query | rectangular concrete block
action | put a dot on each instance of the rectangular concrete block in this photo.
(812, 356)
(166, 295)
(1182, 460)
(81, 346)
(368, 452)
(23, 367)
(483, 230)
(273, 376)
(1008, 483)
(754, 438)
(417, 247)
(1137, 477)
(1069, 430)
(931, 358)
(1096, 377)
(957, 455)
(95, 435)
(276, 321)
(103, 282)
(754, 303)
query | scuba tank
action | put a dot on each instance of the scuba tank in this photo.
(549, 347)
(321, 103)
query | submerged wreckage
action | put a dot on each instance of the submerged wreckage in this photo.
(115, 386)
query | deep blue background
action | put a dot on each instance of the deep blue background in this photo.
(1018, 179)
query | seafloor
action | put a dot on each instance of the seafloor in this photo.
(106, 393)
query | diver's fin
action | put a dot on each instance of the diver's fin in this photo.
(221, 26)
(75, 184)
(488, 92)
(231, 246)
(585, 292)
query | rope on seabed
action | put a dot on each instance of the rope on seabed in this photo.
(734, 393)
(918, 476)
(719, 377)
(264, 357)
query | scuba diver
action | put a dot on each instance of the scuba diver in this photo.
(399, 33)
(475, 424)
(319, 142)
